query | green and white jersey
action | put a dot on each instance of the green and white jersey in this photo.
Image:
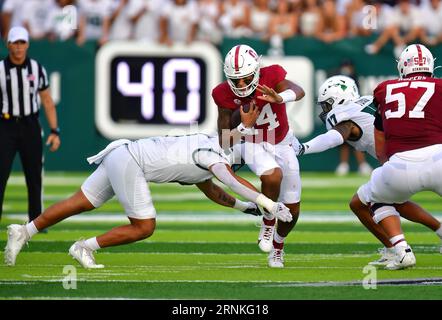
(361, 113)
(183, 159)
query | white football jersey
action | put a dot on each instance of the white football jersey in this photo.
(183, 159)
(94, 11)
(181, 19)
(361, 112)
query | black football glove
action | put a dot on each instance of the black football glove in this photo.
(298, 147)
(253, 209)
(301, 149)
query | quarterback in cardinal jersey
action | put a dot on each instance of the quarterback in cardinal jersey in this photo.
(265, 147)
(272, 121)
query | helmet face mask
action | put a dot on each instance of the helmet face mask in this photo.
(336, 91)
(242, 63)
(326, 107)
(415, 58)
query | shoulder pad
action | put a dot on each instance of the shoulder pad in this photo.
(364, 101)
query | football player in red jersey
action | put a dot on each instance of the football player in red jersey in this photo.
(408, 135)
(265, 147)
(350, 118)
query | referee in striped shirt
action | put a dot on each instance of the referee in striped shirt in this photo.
(23, 84)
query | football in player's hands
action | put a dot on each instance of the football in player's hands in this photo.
(235, 118)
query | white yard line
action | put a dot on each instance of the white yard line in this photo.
(212, 216)
(266, 283)
(306, 182)
(192, 217)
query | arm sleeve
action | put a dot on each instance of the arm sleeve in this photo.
(220, 171)
(324, 142)
(206, 157)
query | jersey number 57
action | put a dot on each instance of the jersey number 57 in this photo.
(418, 110)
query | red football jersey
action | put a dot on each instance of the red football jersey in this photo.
(411, 111)
(272, 122)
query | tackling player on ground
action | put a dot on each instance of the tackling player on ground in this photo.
(124, 170)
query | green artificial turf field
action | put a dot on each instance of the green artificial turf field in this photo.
(203, 251)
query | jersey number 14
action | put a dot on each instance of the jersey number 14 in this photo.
(267, 116)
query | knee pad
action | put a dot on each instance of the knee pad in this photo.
(382, 211)
(364, 193)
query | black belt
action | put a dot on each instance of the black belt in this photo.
(8, 117)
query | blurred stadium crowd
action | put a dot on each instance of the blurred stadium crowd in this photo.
(171, 21)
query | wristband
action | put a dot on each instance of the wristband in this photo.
(265, 202)
(245, 131)
(287, 96)
(55, 131)
(241, 205)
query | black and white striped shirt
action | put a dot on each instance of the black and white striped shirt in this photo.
(19, 87)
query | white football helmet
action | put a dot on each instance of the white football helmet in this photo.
(335, 91)
(242, 62)
(414, 59)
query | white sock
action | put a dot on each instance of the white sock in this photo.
(399, 241)
(277, 238)
(31, 229)
(439, 231)
(92, 244)
(241, 205)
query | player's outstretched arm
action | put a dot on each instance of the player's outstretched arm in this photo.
(219, 196)
(225, 174)
(331, 139)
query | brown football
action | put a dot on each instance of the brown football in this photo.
(235, 118)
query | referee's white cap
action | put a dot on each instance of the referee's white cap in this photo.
(18, 33)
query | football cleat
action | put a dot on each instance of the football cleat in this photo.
(404, 259)
(17, 237)
(84, 255)
(265, 238)
(276, 258)
(387, 256)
